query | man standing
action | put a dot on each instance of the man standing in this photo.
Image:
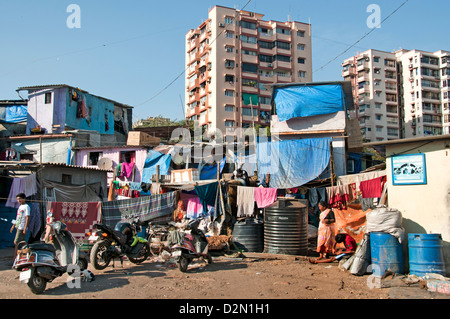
(22, 220)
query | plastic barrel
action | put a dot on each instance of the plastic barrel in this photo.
(248, 235)
(386, 254)
(286, 228)
(426, 254)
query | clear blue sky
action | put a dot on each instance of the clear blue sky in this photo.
(129, 51)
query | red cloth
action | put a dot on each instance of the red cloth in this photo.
(350, 243)
(371, 188)
(79, 217)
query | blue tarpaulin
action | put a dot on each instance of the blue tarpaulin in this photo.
(15, 113)
(292, 163)
(210, 171)
(155, 158)
(303, 101)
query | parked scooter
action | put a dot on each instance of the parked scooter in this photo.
(117, 243)
(40, 262)
(190, 246)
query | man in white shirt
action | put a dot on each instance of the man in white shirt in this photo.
(22, 220)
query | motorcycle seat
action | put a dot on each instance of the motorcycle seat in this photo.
(42, 246)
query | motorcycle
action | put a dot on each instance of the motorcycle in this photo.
(189, 246)
(42, 262)
(117, 243)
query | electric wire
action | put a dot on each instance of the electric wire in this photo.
(360, 39)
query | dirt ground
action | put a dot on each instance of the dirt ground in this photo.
(257, 276)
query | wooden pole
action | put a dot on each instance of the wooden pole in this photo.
(332, 163)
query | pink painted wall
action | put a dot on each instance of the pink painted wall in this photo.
(114, 154)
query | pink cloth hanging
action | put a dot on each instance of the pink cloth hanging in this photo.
(265, 196)
(127, 169)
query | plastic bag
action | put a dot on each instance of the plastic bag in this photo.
(387, 220)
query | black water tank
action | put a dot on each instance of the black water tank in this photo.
(286, 228)
(248, 235)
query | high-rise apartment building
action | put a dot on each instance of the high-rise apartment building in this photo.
(400, 94)
(232, 59)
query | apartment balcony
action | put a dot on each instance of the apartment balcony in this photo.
(283, 37)
(249, 75)
(248, 45)
(249, 89)
(249, 59)
(282, 65)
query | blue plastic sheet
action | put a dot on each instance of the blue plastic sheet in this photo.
(303, 101)
(155, 158)
(210, 171)
(16, 113)
(292, 163)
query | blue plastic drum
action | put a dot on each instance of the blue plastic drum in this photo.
(386, 253)
(425, 254)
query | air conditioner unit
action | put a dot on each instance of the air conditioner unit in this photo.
(270, 65)
(222, 25)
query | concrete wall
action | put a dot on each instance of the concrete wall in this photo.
(425, 208)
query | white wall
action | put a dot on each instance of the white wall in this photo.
(425, 208)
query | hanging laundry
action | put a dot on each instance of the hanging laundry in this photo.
(79, 217)
(194, 208)
(372, 188)
(81, 108)
(26, 185)
(127, 169)
(265, 196)
(245, 201)
(338, 196)
(207, 194)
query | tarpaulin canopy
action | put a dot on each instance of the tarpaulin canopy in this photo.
(153, 159)
(15, 113)
(303, 101)
(292, 163)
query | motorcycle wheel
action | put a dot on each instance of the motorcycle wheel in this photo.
(144, 253)
(98, 256)
(183, 263)
(36, 283)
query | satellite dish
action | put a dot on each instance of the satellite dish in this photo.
(105, 163)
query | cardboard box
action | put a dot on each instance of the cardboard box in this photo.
(185, 175)
(137, 138)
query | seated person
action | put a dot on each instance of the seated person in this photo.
(350, 248)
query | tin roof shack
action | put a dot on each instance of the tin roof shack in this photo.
(110, 157)
(316, 111)
(418, 177)
(54, 182)
(54, 109)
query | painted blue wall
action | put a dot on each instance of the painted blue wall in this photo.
(101, 112)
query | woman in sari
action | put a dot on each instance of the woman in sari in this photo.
(326, 231)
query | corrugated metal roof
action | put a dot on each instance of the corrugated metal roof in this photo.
(27, 163)
(38, 87)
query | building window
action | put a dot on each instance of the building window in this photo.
(229, 123)
(301, 33)
(229, 108)
(283, 58)
(94, 157)
(283, 45)
(228, 20)
(229, 93)
(229, 78)
(248, 25)
(229, 35)
(48, 98)
(250, 68)
(266, 44)
(301, 47)
(229, 64)
(301, 60)
(229, 49)
(283, 31)
(248, 39)
(302, 74)
(249, 82)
